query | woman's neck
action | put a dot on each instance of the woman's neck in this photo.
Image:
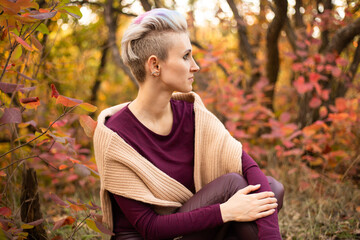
(153, 109)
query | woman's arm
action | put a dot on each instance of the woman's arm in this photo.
(268, 226)
(154, 226)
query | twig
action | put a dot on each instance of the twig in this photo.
(12, 48)
(351, 165)
(78, 226)
(22, 145)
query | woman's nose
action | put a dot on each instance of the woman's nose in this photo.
(194, 67)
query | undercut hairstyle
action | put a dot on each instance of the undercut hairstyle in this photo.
(146, 36)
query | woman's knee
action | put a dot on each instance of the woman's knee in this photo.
(278, 190)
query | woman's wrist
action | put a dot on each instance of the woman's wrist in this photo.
(225, 214)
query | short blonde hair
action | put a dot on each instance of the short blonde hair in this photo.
(146, 36)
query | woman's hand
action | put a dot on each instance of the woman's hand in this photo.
(245, 207)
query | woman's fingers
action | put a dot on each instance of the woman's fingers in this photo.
(249, 189)
(265, 213)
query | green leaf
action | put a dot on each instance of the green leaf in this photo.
(88, 107)
(91, 224)
(73, 11)
(17, 53)
(43, 29)
(26, 226)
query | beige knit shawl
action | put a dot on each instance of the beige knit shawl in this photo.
(125, 172)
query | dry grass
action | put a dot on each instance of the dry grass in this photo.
(318, 207)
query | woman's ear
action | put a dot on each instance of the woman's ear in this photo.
(153, 65)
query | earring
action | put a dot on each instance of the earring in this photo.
(155, 73)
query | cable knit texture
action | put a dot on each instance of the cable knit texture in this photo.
(125, 172)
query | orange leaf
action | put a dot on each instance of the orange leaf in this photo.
(340, 104)
(77, 208)
(67, 102)
(22, 42)
(62, 167)
(30, 103)
(88, 125)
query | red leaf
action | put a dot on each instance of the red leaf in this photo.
(297, 67)
(335, 71)
(11, 115)
(302, 87)
(54, 92)
(340, 104)
(4, 211)
(22, 42)
(314, 77)
(37, 222)
(44, 15)
(103, 229)
(315, 102)
(67, 101)
(325, 94)
(10, 87)
(285, 117)
(58, 200)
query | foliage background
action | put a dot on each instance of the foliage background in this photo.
(281, 75)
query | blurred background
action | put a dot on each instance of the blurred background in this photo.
(281, 75)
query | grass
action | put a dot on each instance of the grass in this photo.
(318, 207)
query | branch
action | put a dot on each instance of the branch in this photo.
(146, 5)
(27, 143)
(272, 37)
(343, 37)
(100, 5)
(17, 162)
(299, 22)
(355, 63)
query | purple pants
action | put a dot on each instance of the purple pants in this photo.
(219, 191)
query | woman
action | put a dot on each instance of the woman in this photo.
(168, 167)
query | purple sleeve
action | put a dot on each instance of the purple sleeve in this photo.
(268, 226)
(154, 226)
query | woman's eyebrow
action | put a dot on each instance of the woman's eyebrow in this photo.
(188, 50)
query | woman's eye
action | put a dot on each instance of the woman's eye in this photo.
(186, 56)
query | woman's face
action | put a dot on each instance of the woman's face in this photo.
(177, 71)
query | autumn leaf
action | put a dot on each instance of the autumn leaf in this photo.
(30, 103)
(88, 107)
(88, 125)
(22, 42)
(58, 200)
(103, 229)
(67, 101)
(340, 104)
(315, 102)
(4, 211)
(54, 92)
(301, 86)
(44, 15)
(10, 87)
(62, 222)
(11, 115)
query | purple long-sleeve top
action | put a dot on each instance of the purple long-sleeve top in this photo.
(174, 155)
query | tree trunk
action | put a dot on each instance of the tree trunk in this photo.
(30, 205)
(100, 71)
(299, 22)
(244, 45)
(111, 22)
(273, 33)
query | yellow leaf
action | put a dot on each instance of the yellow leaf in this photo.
(26, 226)
(91, 224)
